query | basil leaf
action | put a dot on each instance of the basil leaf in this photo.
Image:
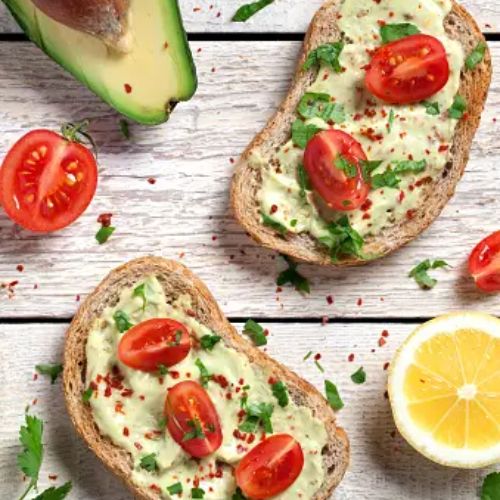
(292, 276)
(343, 240)
(54, 493)
(51, 370)
(367, 167)
(458, 108)
(255, 332)
(327, 54)
(333, 396)
(257, 414)
(359, 376)
(270, 222)
(315, 105)
(476, 56)
(248, 10)
(343, 164)
(302, 133)
(392, 32)
(432, 108)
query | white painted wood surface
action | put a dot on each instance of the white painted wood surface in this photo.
(284, 16)
(383, 466)
(186, 212)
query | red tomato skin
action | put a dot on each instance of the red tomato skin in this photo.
(332, 184)
(147, 345)
(14, 188)
(484, 263)
(259, 478)
(430, 71)
(185, 402)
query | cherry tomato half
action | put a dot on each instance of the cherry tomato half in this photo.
(154, 342)
(271, 467)
(484, 263)
(192, 419)
(332, 161)
(408, 70)
(47, 181)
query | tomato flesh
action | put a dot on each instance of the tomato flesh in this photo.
(484, 263)
(408, 70)
(154, 342)
(321, 159)
(192, 419)
(46, 181)
(271, 467)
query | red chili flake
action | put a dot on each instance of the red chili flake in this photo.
(214, 238)
(221, 380)
(410, 214)
(241, 381)
(213, 70)
(35, 376)
(443, 148)
(366, 216)
(218, 14)
(77, 298)
(370, 134)
(385, 333)
(251, 438)
(370, 113)
(165, 45)
(366, 205)
(119, 408)
(279, 289)
(191, 313)
(231, 160)
(401, 196)
(199, 50)
(325, 320)
(229, 396)
(151, 180)
(360, 302)
(20, 268)
(274, 209)
(53, 477)
(128, 88)
(239, 435)
(386, 395)
(317, 357)
(174, 374)
(155, 488)
(126, 393)
(271, 380)
(329, 300)
(34, 402)
(107, 392)
(126, 432)
(196, 9)
(381, 342)
(35, 286)
(142, 397)
(386, 366)
(105, 219)
(357, 117)
(381, 22)
(350, 358)
(138, 446)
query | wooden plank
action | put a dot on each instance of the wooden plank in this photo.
(382, 465)
(284, 16)
(186, 212)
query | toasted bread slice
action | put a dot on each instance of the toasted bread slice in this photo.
(178, 280)
(247, 180)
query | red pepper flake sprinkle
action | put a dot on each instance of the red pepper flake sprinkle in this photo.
(221, 380)
(443, 148)
(174, 374)
(52, 477)
(271, 380)
(350, 358)
(317, 357)
(126, 432)
(152, 181)
(20, 268)
(385, 333)
(105, 219)
(128, 88)
(359, 302)
(155, 488)
(410, 214)
(138, 446)
(329, 300)
(274, 209)
(381, 342)
(386, 366)
(325, 320)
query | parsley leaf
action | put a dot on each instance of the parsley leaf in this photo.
(245, 12)
(476, 56)
(140, 291)
(196, 433)
(303, 178)
(162, 370)
(386, 179)
(270, 222)
(280, 392)
(255, 332)
(257, 414)
(54, 493)
(52, 370)
(148, 462)
(432, 108)
(419, 273)
(208, 342)
(238, 495)
(491, 487)
(104, 234)
(392, 32)
(122, 321)
(333, 396)
(349, 169)
(30, 459)
(292, 276)
(343, 240)
(87, 394)
(359, 376)
(302, 133)
(175, 489)
(317, 105)
(197, 493)
(389, 178)
(390, 123)
(328, 54)
(367, 167)
(458, 108)
(205, 376)
(124, 128)
(405, 166)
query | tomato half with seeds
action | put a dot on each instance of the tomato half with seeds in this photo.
(271, 467)
(408, 70)
(155, 342)
(484, 263)
(192, 419)
(47, 181)
(332, 161)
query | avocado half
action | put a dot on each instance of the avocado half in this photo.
(144, 83)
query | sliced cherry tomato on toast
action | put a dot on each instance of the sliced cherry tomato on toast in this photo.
(47, 181)
(192, 419)
(484, 263)
(408, 70)
(332, 162)
(271, 467)
(154, 342)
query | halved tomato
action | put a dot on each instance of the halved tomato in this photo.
(192, 419)
(332, 162)
(271, 467)
(47, 181)
(408, 70)
(484, 263)
(154, 342)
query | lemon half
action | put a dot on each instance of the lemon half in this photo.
(444, 388)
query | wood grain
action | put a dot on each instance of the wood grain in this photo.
(186, 212)
(284, 16)
(383, 466)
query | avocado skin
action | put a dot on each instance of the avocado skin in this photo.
(154, 118)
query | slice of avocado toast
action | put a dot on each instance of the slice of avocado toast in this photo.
(143, 83)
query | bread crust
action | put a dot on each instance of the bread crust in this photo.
(176, 280)
(474, 85)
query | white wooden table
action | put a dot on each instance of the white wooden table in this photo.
(244, 71)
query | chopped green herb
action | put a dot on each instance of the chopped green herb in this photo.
(205, 376)
(148, 462)
(51, 370)
(122, 321)
(257, 414)
(104, 233)
(140, 291)
(293, 222)
(198, 492)
(175, 489)
(54, 493)
(476, 56)
(162, 370)
(392, 32)
(318, 366)
(208, 342)
(333, 396)
(87, 394)
(196, 432)
(303, 179)
(405, 166)
(343, 240)
(390, 123)
(316, 105)
(349, 169)
(307, 356)
(432, 108)
(386, 179)
(162, 423)
(255, 332)
(30, 459)
(245, 12)
(367, 167)
(327, 54)
(302, 133)
(359, 376)
(238, 495)
(419, 273)
(270, 222)
(491, 487)
(292, 276)
(124, 128)
(458, 108)
(280, 392)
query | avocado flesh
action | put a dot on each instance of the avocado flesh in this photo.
(143, 84)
